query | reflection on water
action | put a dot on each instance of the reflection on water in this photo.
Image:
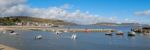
(85, 41)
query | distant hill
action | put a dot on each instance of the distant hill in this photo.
(11, 20)
(105, 24)
(116, 24)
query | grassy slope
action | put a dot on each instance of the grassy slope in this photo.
(13, 19)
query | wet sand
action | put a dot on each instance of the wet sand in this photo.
(4, 47)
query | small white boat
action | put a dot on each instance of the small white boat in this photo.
(74, 36)
(119, 33)
(13, 33)
(109, 33)
(58, 32)
(131, 33)
(38, 37)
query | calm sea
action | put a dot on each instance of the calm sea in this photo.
(85, 40)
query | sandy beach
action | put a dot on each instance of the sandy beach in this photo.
(4, 47)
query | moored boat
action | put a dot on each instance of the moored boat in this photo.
(13, 33)
(109, 33)
(58, 32)
(119, 33)
(38, 37)
(131, 33)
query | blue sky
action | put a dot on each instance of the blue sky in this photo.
(122, 9)
(80, 11)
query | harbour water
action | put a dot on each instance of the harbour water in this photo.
(85, 40)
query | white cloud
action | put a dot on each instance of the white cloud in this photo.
(127, 20)
(143, 13)
(19, 7)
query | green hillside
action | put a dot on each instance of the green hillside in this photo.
(11, 20)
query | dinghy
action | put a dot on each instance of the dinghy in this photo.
(38, 37)
(131, 33)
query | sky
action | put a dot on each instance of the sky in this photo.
(80, 11)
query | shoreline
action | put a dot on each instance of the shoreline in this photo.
(4, 47)
(53, 28)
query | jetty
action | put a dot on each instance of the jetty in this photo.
(48, 28)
